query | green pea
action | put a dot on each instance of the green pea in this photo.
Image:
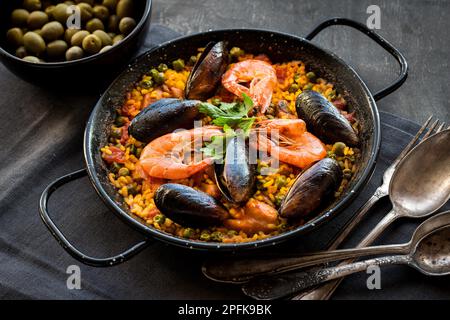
(132, 190)
(147, 84)
(153, 73)
(278, 200)
(280, 181)
(236, 52)
(116, 133)
(215, 101)
(159, 219)
(188, 232)
(338, 148)
(192, 60)
(178, 64)
(311, 75)
(159, 79)
(124, 172)
(294, 88)
(120, 121)
(162, 67)
(308, 86)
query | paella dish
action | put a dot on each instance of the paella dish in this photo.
(228, 146)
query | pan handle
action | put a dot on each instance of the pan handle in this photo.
(378, 39)
(62, 240)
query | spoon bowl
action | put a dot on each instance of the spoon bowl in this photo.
(421, 182)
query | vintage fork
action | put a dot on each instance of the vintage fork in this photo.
(325, 291)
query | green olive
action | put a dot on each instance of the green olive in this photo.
(52, 31)
(31, 59)
(69, 33)
(74, 53)
(19, 17)
(110, 4)
(33, 42)
(56, 48)
(113, 23)
(15, 37)
(91, 2)
(101, 12)
(69, 3)
(32, 5)
(94, 24)
(37, 19)
(60, 13)
(78, 37)
(92, 44)
(124, 8)
(49, 11)
(86, 11)
(126, 25)
(21, 52)
(106, 39)
(117, 39)
(105, 48)
(111, 35)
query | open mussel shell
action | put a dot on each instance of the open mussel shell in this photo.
(312, 189)
(188, 206)
(236, 176)
(323, 119)
(207, 72)
(162, 117)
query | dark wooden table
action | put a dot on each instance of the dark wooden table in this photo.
(420, 29)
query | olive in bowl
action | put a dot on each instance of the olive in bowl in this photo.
(50, 54)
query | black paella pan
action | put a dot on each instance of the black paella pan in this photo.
(279, 47)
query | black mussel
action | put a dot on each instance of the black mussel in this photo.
(207, 71)
(313, 188)
(323, 119)
(189, 207)
(162, 117)
(236, 176)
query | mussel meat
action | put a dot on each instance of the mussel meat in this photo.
(323, 119)
(189, 207)
(162, 117)
(313, 188)
(236, 176)
(207, 71)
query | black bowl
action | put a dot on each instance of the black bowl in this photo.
(92, 70)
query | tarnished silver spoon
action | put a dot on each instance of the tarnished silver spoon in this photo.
(428, 251)
(420, 186)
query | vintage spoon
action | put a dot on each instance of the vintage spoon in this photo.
(428, 251)
(421, 187)
(244, 270)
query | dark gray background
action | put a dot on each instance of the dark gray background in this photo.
(419, 28)
(42, 134)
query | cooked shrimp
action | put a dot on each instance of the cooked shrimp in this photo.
(254, 217)
(170, 156)
(295, 145)
(261, 77)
